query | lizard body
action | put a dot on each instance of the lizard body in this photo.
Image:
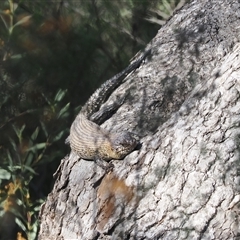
(92, 142)
(88, 139)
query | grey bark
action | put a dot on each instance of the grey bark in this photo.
(184, 103)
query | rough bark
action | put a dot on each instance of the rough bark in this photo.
(183, 183)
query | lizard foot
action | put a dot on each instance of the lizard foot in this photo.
(108, 167)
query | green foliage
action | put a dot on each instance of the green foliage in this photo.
(52, 57)
(19, 166)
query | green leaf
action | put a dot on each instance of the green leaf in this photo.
(38, 146)
(44, 129)
(36, 206)
(30, 169)
(19, 203)
(10, 159)
(4, 174)
(60, 95)
(63, 111)
(16, 56)
(13, 144)
(7, 24)
(4, 100)
(17, 212)
(29, 159)
(58, 136)
(16, 167)
(2, 212)
(35, 134)
(20, 223)
(46, 99)
(19, 131)
(23, 20)
(15, 6)
(34, 231)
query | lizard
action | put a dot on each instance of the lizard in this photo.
(90, 141)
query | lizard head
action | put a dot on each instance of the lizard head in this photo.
(123, 143)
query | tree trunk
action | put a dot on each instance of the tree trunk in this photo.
(183, 103)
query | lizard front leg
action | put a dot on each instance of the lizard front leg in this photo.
(107, 166)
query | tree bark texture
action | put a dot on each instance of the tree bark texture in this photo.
(184, 104)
